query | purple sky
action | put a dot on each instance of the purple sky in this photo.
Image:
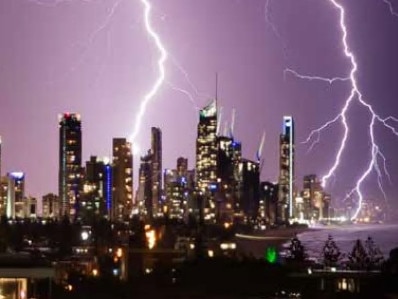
(74, 57)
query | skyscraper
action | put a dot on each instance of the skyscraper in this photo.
(15, 195)
(156, 165)
(206, 157)
(315, 199)
(145, 187)
(229, 156)
(285, 209)
(70, 159)
(30, 207)
(268, 201)
(50, 206)
(96, 201)
(178, 188)
(249, 199)
(122, 183)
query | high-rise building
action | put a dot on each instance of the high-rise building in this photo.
(286, 171)
(30, 207)
(70, 159)
(182, 166)
(122, 165)
(229, 156)
(206, 158)
(268, 201)
(178, 187)
(16, 195)
(247, 204)
(50, 206)
(96, 201)
(316, 201)
(145, 187)
(156, 165)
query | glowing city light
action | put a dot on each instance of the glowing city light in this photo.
(151, 238)
(271, 255)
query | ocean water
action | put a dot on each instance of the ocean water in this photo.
(385, 237)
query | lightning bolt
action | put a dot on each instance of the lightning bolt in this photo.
(188, 79)
(91, 38)
(391, 8)
(268, 19)
(161, 68)
(355, 95)
(274, 29)
(312, 78)
(185, 92)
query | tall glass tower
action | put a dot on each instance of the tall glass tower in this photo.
(206, 157)
(70, 159)
(122, 182)
(156, 167)
(285, 209)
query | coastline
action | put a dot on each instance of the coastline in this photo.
(255, 244)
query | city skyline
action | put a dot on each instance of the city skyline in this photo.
(258, 80)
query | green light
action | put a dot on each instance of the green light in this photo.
(271, 255)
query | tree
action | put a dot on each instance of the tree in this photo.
(358, 257)
(296, 251)
(375, 256)
(331, 252)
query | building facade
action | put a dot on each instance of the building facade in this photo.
(206, 159)
(249, 199)
(122, 183)
(268, 202)
(70, 160)
(316, 201)
(15, 195)
(156, 171)
(178, 189)
(285, 209)
(144, 196)
(50, 206)
(96, 200)
(229, 182)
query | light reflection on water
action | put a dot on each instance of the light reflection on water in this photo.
(384, 235)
